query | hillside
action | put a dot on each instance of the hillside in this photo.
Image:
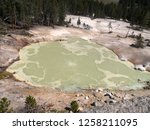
(94, 52)
(17, 91)
(53, 12)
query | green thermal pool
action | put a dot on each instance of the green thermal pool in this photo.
(75, 64)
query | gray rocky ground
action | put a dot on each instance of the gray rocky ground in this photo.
(135, 105)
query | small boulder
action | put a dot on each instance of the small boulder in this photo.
(140, 67)
(80, 109)
(96, 104)
(87, 98)
(99, 90)
(109, 95)
(122, 58)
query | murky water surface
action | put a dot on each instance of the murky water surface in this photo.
(75, 64)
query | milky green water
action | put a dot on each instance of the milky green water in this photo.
(75, 64)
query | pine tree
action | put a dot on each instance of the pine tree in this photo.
(74, 106)
(110, 27)
(62, 11)
(146, 20)
(30, 104)
(5, 105)
(78, 22)
(50, 12)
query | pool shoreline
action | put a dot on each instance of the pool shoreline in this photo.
(24, 58)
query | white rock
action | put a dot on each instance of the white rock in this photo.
(122, 58)
(147, 65)
(108, 94)
(87, 97)
(140, 67)
(80, 109)
(99, 90)
(96, 90)
(78, 95)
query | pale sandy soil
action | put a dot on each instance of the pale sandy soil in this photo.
(16, 91)
(99, 34)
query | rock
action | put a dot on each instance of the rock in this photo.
(147, 65)
(114, 101)
(87, 98)
(128, 96)
(140, 67)
(99, 90)
(78, 95)
(98, 95)
(146, 88)
(110, 101)
(109, 95)
(96, 103)
(81, 94)
(122, 58)
(96, 90)
(135, 105)
(93, 104)
(148, 44)
(80, 109)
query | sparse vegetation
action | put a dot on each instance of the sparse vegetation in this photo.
(110, 27)
(140, 41)
(135, 27)
(5, 106)
(30, 104)
(4, 75)
(69, 21)
(78, 22)
(3, 28)
(74, 107)
(147, 86)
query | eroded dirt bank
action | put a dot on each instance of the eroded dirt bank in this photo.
(16, 91)
(89, 100)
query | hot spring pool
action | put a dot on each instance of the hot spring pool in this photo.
(75, 64)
